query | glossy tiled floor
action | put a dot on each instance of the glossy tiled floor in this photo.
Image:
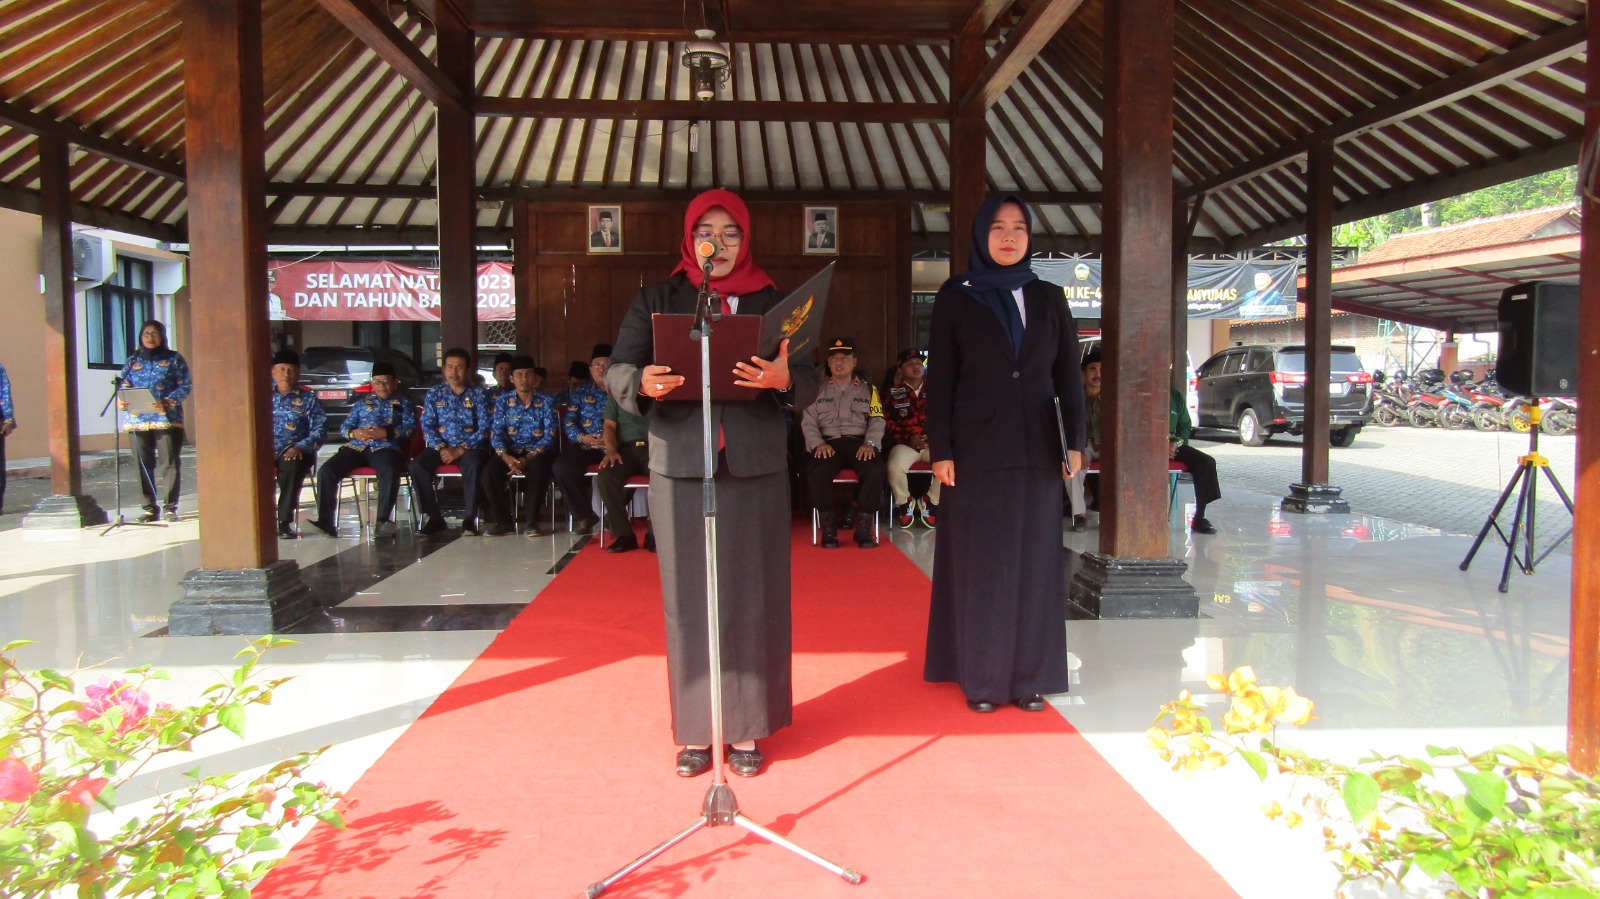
(1369, 617)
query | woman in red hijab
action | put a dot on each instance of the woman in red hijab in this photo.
(752, 495)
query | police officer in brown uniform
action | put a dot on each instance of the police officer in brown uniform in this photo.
(844, 429)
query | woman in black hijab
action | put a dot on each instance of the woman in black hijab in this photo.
(1003, 347)
(156, 421)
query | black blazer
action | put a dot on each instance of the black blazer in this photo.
(757, 438)
(988, 409)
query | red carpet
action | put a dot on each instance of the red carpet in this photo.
(548, 765)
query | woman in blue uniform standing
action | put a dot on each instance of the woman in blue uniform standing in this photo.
(156, 422)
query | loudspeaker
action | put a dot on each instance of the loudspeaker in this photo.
(1539, 339)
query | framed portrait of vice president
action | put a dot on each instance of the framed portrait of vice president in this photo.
(822, 231)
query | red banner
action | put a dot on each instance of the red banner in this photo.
(377, 291)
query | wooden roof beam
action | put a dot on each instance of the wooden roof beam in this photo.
(380, 35)
(717, 111)
(1512, 64)
(1023, 43)
(26, 120)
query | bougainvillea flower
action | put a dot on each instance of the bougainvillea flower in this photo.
(83, 792)
(18, 782)
(115, 694)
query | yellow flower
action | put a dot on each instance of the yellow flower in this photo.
(1272, 810)
(1158, 737)
(1292, 819)
(1217, 682)
(1241, 679)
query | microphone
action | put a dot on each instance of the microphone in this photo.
(707, 248)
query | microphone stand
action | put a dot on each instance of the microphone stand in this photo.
(719, 807)
(116, 432)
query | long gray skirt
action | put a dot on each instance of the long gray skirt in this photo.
(997, 621)
(753, 581)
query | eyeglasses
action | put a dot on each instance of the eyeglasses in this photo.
(729, 236)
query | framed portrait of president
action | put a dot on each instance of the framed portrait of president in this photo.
(605, 229)
(822, 231)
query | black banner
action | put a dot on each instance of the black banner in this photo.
(1216, 289)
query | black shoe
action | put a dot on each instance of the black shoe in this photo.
(535, 529)
(433, 525)
(500, 530)
(692, 762)
(585, 525)
(469, 528)
(1080, 523)
(830, 531)
(150, 515)
(172, 514)
(1034, 703)
(745, 762)
(650, 540)
(623, 544)
(1200, 526)
(980, 706)
(864, 528)
(285, 532)
(323, 526)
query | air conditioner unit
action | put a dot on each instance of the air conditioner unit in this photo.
(93, 257)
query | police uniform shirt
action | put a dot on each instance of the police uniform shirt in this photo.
(396, 413)
(849, 409)
(527, 428)
(167, 379)
(586, 407)
(297, 420)
(455, 419)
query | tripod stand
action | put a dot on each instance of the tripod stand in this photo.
(719, 807)
(1526, 507)
(116, 431)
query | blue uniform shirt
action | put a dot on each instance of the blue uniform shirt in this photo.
(297, 420)
(396, 413)
(586, 406)
(167, 379)
(455, 419)
(530, 428)
(8, 412)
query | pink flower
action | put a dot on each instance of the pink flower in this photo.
(115, 694)
(18, 782)
(83, 792)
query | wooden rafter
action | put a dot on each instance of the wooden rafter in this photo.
(1023, 43)
(369, 25)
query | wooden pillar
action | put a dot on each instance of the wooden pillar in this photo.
(524, 251)
(1313, 493)
(241, 587)
(1133, 576)
(66, 507)
(969, 141)
(1583, 676)
(458, 258)
(61, 338)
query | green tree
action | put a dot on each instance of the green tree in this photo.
(1534, 192)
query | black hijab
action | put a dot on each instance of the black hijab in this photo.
(161, 352)
(990, 283)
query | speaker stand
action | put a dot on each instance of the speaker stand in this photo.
(1527, 507)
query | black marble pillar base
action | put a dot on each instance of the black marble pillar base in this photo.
(1314, 499)
(240, 601)
(62, 511)
(1109, 588)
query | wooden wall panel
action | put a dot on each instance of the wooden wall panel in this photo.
(579, 298)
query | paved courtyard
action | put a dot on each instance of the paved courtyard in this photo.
(1448, 480)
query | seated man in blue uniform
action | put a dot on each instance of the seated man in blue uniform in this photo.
(523, 437)
(455, 426)
(298, 428)
(586, 443)
(378, 430)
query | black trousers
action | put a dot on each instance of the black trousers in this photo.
(821, 472)
(170, 440)
(387, 463)
(428, 462)
(572, 476)
(291, 477)
(2, 471)
(613, 495)
(1203, 469)
(496, 481)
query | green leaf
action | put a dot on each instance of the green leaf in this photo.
(1562, 891)
(1255, 761)
(1360, 795)
(180, 891)
(1486, 790)
(232, 717)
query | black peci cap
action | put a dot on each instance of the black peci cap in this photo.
(379, 369)
(286, 357)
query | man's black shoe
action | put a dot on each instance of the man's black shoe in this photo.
(433, 525)
(500, 530)
(1034, 703)
(1080, 523)
(980, 706)
(585, 525)
(864, 528)
(323, 526)
(830, 531)
(623, 544)
(1201, 526)
(650, 540)
(150, 515)
(285, 532)
(469, 528)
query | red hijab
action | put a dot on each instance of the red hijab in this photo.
(746, 277)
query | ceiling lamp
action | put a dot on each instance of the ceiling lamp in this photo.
(707, 61)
